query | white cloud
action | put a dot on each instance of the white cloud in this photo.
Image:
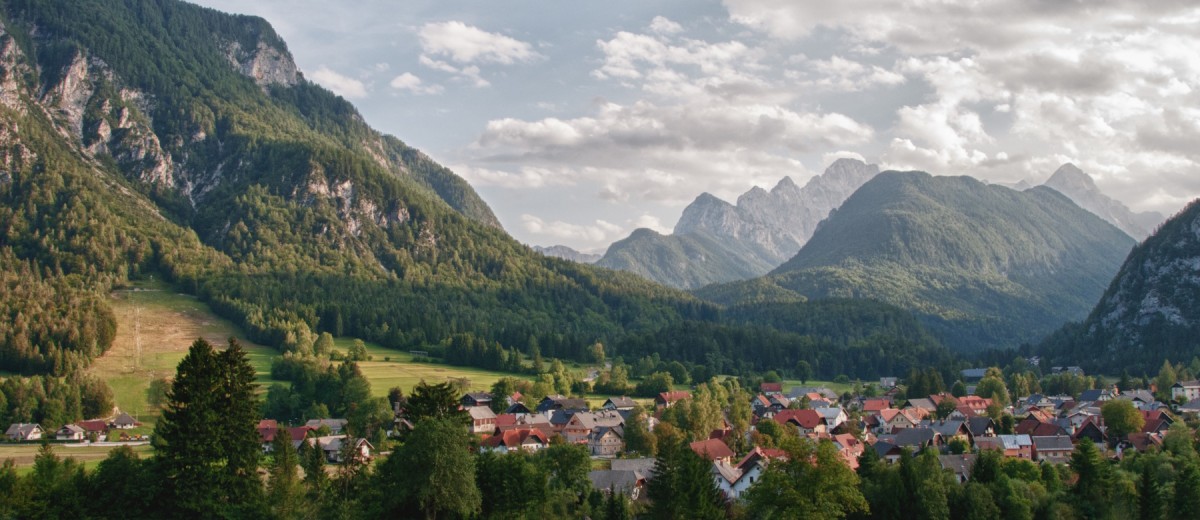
(663, 25)
(469, 73)
(469, 44)
(599, 232)
(410, 82)
(344, 86)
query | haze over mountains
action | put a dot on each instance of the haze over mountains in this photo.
(715, 241)
(1081, 188)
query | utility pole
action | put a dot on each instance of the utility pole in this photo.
(137, 337)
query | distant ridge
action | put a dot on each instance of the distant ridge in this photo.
(715, 241)
(566, 253)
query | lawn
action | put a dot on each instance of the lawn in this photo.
(155, 327)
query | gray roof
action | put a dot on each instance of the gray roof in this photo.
(333, 424)
(621, 402)
(959, 464)
(948, 427)
(914, 436)
(22, 429)
(1091, 395)
(1191, 406)
(620, 481)
(1053, 442)
(922, 402)
(481, 412)
(978, 425)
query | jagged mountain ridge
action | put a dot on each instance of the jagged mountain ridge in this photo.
(1151, 310)
(1081, 188)
(715, 241)
(985, 266)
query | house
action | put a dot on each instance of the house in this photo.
(1141, 442)
(923, 403)
(24, 432)
(887, 451)
(666, 399)
(734, 480)
(713, 450)
(771, 388)
(1141, 398)
(483, 419)
(893, 419)
(981, 426)
(626, 482)
(70, 432)
(125, 421)
(1034, 427)
(1192, 406)
(628, 476)
(959, 465)
(1054, 448)
(98, 426)
(582, 424)
(1018, 446)
(336, 426)
(1092, 429)
(1096, 395)
(951, 429)
(916, 439)
(332, 446)
(606, 441)
(529, 440)
(876, 405)
(849, 447)
(887, 382)
(267, 435)
(1186, 390)
(1075, 371)
(977, 405)
(476, 399)
(834, 416)
(619, 403)
(807, 421)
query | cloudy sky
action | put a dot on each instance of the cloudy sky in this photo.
(580, 121)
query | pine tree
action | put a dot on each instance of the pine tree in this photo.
(1187, 491)
(285, 491)
(206, 440)
(683, 486)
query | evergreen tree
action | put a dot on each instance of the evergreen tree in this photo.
(1149, 495)
(206, 440)
(316, 481)
(1187, 491)
(285, 490)
(437, 401)
(683, 486)
(1093, 488)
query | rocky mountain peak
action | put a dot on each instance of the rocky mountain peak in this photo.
(266, 64)
(1078, 186)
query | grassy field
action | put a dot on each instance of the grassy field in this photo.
(23, 454)
(164, 323)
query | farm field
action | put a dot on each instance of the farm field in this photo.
(24, 453)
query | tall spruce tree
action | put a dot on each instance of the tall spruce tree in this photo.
(285, 490)
(206, 439)
(683, 486)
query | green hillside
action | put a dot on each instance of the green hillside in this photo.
(983, 266)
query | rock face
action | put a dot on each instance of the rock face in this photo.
(266, 64)
(567, 253)
(1150, 312)
(1080, 188)
(715, 241)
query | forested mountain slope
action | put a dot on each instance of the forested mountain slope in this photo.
(1151, 310)
(144, 137)
(983, 265)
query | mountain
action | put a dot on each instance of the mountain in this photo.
(715, 241)
(154, 138)
(984, 266)
(567, 253)
(1151, 310)
(1081, 188)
